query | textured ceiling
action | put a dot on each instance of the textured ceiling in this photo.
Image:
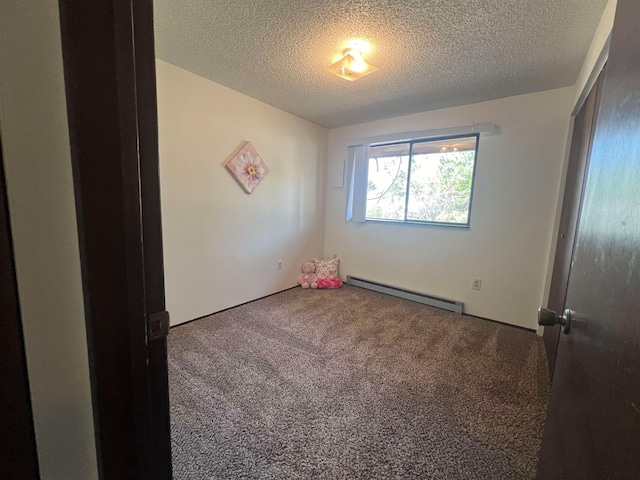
(431, 53)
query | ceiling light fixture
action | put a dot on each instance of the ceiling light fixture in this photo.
(351, 66)
(446, 149)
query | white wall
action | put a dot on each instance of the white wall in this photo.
(35, 141)
(507, 246)
(221, 244)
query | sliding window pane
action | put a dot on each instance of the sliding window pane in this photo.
(387, 182)
(441, 180)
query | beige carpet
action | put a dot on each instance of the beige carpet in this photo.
(352, 384)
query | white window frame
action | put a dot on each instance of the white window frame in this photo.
(358, 164)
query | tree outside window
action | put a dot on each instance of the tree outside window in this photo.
(423, 181)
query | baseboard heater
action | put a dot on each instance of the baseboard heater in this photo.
(443, 303)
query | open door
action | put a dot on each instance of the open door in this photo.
(109, 67)
(593, 422)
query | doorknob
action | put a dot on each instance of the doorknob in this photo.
(549, 318)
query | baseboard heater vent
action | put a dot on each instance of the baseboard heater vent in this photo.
(443, 303)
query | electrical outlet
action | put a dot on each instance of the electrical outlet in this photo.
(476, 284)
(279, 265)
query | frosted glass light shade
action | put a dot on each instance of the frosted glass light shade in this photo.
(351, 66)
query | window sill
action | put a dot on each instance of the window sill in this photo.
(418, 222)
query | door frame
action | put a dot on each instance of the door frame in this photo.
(109, 66)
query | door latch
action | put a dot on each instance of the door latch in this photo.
(158, 326)
(549, 318)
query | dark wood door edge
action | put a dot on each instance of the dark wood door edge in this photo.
(110, 83)
(158, 386)
(18, 455)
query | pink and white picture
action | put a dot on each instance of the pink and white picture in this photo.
(247, 166)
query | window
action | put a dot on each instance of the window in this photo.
(420, 181)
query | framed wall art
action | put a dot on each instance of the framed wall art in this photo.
(247, 166)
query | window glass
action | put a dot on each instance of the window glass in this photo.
(422, 181)
(387, 182)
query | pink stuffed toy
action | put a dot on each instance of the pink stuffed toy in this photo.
(308, 277)
(329, 283)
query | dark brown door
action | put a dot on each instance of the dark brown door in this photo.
(593, 422)
(18, 458)
(109, 64)
(581, 141)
